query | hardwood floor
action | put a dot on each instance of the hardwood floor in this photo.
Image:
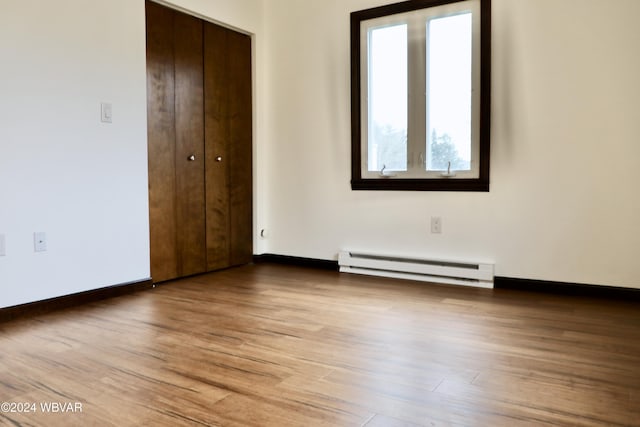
(269, 345)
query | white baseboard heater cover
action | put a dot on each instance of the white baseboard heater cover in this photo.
(424, 269)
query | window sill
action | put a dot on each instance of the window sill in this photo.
(444, 184)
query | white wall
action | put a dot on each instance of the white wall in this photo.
(63, 172)
(564, 201)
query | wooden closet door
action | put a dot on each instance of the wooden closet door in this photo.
(240, 123)
(190, 159)
(176, 143)
(228, 146)
(228, 143)
(216, 76)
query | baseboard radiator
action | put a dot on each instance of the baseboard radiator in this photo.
(427, 270)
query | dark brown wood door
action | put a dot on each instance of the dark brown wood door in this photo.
(228, 145)
(176, 147)
(200, 144)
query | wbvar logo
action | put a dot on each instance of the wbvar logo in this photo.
(60, 407)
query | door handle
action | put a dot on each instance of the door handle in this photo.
(191, 158)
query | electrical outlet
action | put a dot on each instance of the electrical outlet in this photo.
(436, 225)
(40, 241)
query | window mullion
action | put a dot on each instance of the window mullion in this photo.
(416, 144)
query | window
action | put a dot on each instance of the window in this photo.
(420, 77)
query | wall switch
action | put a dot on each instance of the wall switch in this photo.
(40, 241)
(436, 225)
(105, 112)
(3, 245)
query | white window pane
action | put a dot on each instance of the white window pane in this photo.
(449, 92)
(387, 142)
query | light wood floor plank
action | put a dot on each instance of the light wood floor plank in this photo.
(269, 345)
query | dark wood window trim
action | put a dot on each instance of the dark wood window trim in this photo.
(437, 184)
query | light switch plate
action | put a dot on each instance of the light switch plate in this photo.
(106, 112)
(3, 245)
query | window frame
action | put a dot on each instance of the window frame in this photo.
(358, 182)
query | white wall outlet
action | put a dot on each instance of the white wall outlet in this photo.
(3, 245)
(40, 241)
(436, 225)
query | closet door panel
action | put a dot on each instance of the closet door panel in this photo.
(190, 156)
(216, 80)
(240, 148)
(161, 136)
